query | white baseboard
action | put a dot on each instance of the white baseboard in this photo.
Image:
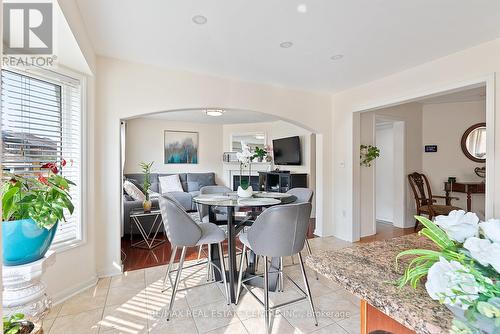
(109, 272)
(63, 295)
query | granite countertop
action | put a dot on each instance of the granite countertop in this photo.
(366, 270)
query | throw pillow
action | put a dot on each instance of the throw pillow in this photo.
(170, 183)
(137, 184)
(133, 191)
(193, 186)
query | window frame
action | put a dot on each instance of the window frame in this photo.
(54, 77)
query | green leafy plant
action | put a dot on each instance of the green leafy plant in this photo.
(12, 324)
(146, 170)
(368, 153)
(259, 153)
(43, 199)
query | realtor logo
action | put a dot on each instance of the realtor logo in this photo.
(27, 28)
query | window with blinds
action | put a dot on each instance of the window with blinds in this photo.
(41, 122)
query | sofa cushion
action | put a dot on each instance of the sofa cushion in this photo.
(203, 179)
(182, 178)
(185, 199)
(193, 186)
(133, 191)
(170, 183)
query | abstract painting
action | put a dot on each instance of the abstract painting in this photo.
(181, 147)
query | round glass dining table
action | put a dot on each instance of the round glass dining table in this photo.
(231, 202)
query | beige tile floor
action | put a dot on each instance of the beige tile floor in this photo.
(133, 303)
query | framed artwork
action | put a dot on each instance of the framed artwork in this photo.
(180, 147)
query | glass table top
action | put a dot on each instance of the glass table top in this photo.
(231, 199)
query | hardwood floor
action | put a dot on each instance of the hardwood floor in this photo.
(387, 231)
(137, 258)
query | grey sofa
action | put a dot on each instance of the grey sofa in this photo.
(191, 184)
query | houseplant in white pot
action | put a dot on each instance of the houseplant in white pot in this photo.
(32, 207)
(245, 159)
(463, 273)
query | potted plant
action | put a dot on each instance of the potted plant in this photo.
(368, 153)
(16, 324)
(146, 170)
(245, 158)
(32, 207)
(463, 273)
(259, 154)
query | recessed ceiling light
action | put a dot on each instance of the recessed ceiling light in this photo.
(302, 8)
(214, 112)
(260, 137)
(199, 19)
(286, 45)
(336, 57)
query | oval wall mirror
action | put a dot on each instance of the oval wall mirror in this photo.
(474, 142)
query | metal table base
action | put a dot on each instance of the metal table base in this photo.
(148, 242)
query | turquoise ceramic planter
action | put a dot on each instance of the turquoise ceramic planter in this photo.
(24, 242)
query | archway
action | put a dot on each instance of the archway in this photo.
(312, 145)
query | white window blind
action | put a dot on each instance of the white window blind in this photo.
(41, 122)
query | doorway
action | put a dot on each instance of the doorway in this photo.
(439, 132)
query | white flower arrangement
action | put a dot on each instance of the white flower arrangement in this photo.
(464, 273)
(245, 156)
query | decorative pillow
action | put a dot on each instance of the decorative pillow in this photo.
(137, 184)
(170, 183)
(133, 191)
(193, 186)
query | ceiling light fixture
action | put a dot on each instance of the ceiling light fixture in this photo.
(260, 137)
(336, 57)
(199, 19)
(214, 112)
(302, 8)
(286, 45)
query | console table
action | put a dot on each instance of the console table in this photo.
(468, 188)
(281, 181)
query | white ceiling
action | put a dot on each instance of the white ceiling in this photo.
(469, 95)
(241, 38)
(231, 116)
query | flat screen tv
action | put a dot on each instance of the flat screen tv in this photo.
(286, 151)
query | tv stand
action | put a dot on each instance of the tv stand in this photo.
(281, 181)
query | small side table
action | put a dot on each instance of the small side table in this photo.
(149, 237)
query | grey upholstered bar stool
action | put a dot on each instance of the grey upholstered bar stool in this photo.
(183, 231)
(220, 214)
(304, 195)
(278, 231)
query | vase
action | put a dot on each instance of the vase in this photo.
(483, 323)
(24, 242)
(146, 205)
(245, 193)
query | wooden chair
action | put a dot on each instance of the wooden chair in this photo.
(424, 199)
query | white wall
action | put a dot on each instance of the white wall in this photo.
(384, 173)
(76, 268)
(444, 125)
(128, 89)
(144, 142)
(462, 68)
